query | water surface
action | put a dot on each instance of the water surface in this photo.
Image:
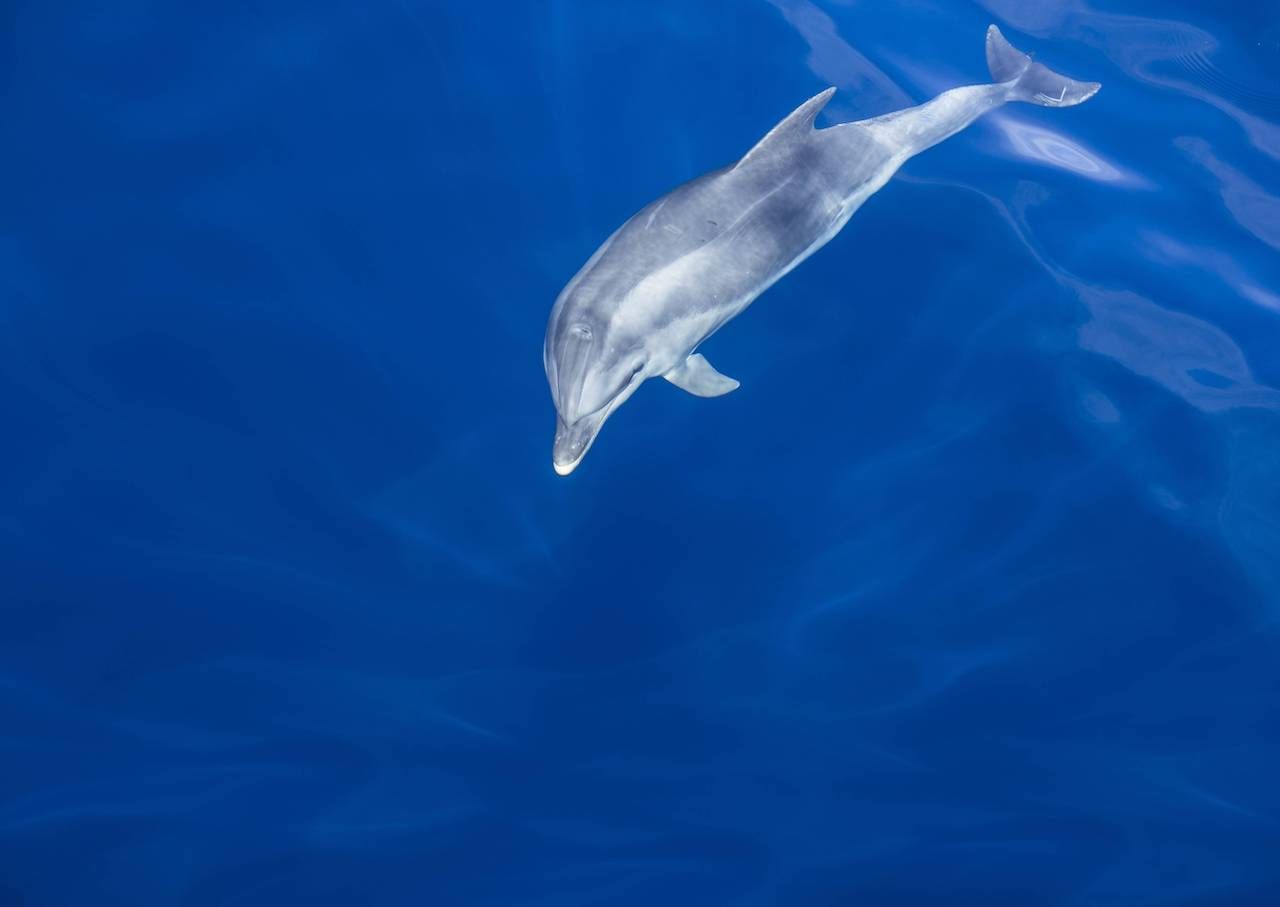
(968, 595)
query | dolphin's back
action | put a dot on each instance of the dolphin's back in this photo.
(728, 234)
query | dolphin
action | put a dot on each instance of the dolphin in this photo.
(687, 263)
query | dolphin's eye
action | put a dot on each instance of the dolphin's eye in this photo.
(580, 331)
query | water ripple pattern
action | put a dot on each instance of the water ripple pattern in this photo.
(969, 595)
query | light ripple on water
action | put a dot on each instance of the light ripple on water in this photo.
(328, 718)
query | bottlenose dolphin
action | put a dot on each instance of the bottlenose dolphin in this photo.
(673, 274)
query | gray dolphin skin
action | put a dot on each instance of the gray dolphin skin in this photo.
(677, 271)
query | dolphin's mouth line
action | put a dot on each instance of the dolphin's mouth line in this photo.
(563, 469)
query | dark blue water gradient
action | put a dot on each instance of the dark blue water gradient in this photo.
(969, 595)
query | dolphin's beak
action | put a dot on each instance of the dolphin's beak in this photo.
(572, 441)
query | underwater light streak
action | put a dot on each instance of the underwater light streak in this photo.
(1055, 149)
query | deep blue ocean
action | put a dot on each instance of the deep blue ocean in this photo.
(969, 595)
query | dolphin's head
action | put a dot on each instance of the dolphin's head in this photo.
(590, 374)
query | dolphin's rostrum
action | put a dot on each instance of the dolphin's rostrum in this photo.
(674, 273)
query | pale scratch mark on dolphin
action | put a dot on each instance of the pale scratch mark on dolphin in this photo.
(756, 204)
(649, 223)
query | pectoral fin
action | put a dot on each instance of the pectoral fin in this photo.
(697, 376)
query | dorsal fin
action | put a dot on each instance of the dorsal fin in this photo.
(798, 122)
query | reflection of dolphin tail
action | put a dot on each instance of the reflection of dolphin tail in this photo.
(1029, 81)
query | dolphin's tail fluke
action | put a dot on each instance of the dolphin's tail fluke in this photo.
(1030, 81)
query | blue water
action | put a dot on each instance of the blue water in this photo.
(968, 595)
